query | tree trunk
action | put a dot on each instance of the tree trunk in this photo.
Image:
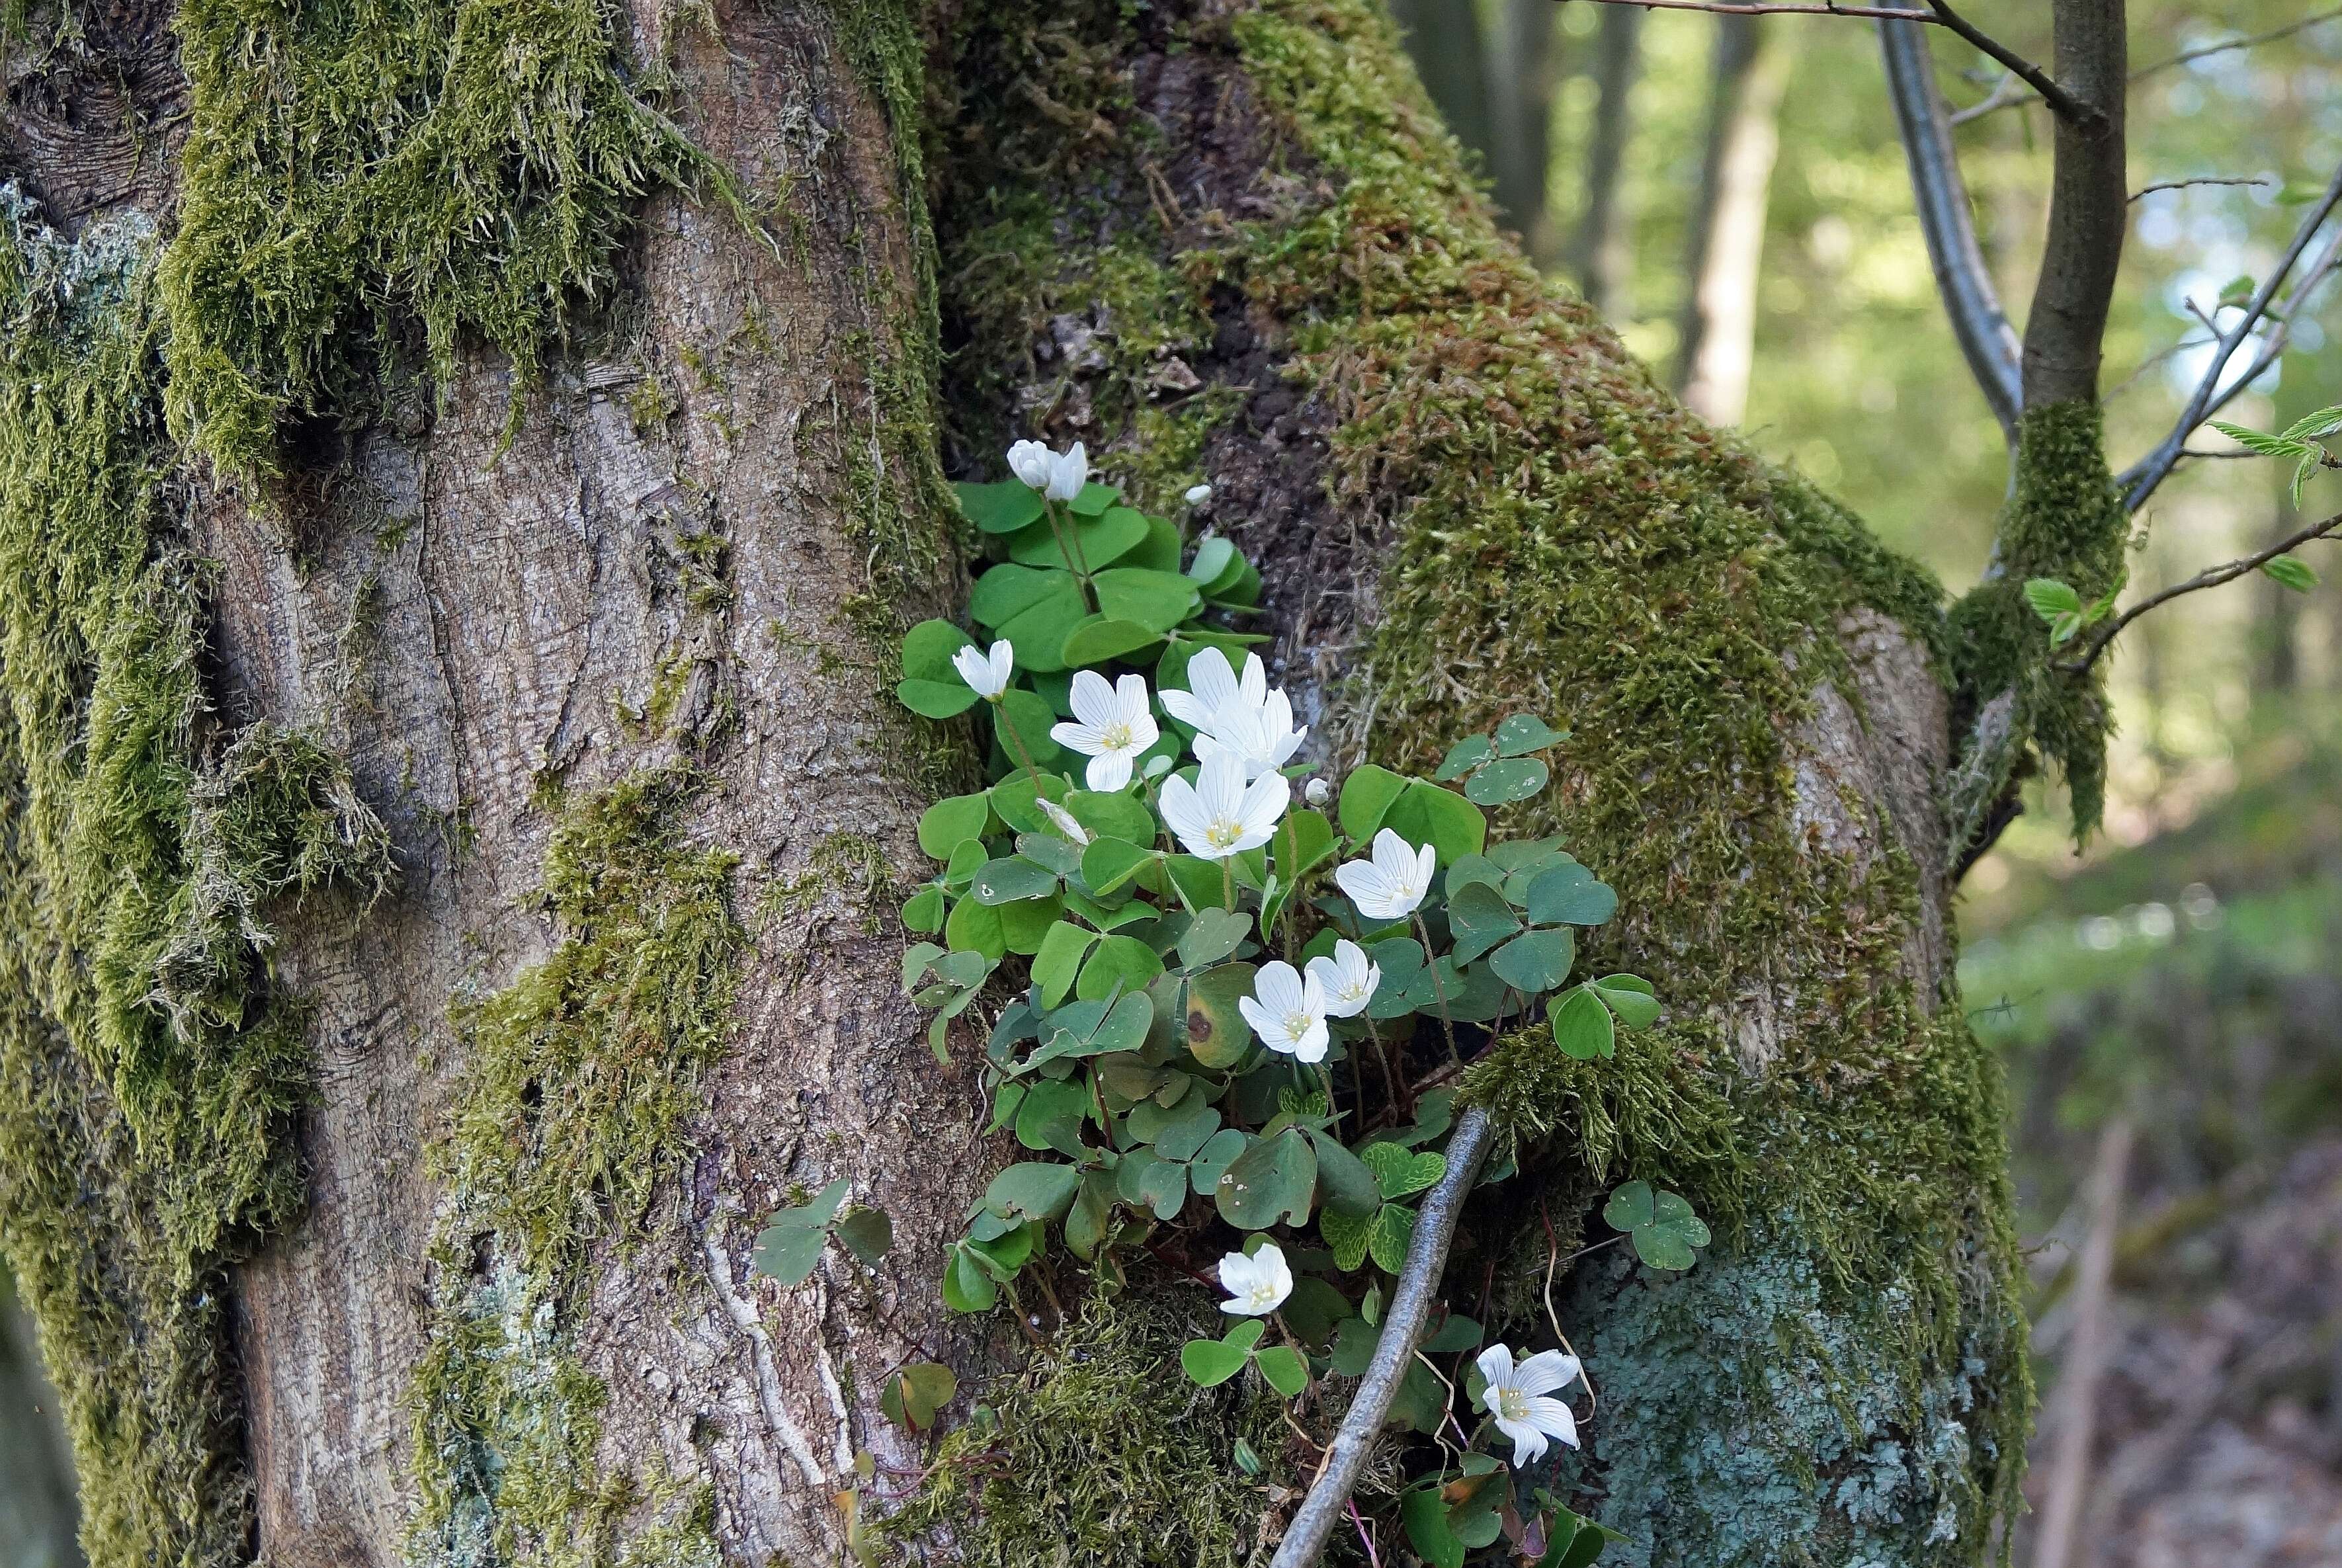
(1523, 74)
(370, 1221)
(1716, 344)
(1600, 254)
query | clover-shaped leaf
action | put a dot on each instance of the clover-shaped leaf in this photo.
(1402, 1174)
(788, 1248)
(1662, 1225)
(914, 1393)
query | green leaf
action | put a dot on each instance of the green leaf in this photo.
(2051, 598)
(927, 650)
(967, 1287)
(1050, 1115)
(1012, 879)
(913, 1395)
(2316, 426)
(1214, 556)
(1059, 960)
(1629, 996)
(2310, 464)
(1525, 733)
(1102, 541)
(1479, 918)
(1425, 813)
(952, 820)
(1458, 1333)
(1347, 1235)
(1215, 934)
(1424, 1511)
(1217, 1034)
(1401, 959)
(1121, 965)
(1502, 783)
(1090, 1028)
(1110, 815)
(789, 1252)
(1284, 1369)
(1536, 961)
(1094, 499)
(1100, 638)
(1033, 1190)
(1109, 862)
(1583, 1028)
(1155, 600)
(935, 699)
(1661, 1225)
(1399, 1173)
(1367, 795)
(1570, 895)
(1463, 756)
(867, 1233)
(1046, 849)
(1386, 1244)
(923, 910)
(1031, 718)
(1349, 1183)
(2292, 572)
(1304, 840)
(1001, 508)
(1273, 1179)
(1006, 592)
(1208, 1362)
(1219, 1151)
(1012, 800)
(2238, 290)
(2260, 441)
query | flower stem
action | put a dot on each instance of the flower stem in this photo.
(1015, 741)
(1069, 545)
(1438, 990)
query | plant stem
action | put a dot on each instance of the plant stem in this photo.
(1438, 992)
(1015, 741)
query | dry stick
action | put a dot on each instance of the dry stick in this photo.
(2148, 190)
(2138, 481)
(2076, 1393)
(1426, 1257)
(2212, 577)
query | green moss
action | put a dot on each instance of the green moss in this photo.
(1097, 1456)
(578, 1078)
(1560, 537)
(359, 173)
(2065, 520)
(149, 1074)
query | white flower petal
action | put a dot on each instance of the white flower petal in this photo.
(1198, 493)
(1093, 699)
(1552, 1418)
(1086, 739)
(1108, 771)
(1187, 708)
(1496, 1364)
(1211, 680)
(1544, 1372)
(1032, 462)
(1528, 1442)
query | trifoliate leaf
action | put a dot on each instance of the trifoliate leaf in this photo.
(1284, 1369)
(1458, 1333)
(1463, 756)
(1099, 638)
(1047, 849)
(789, 1254)
(1525, 733)
(1400, 1174)
(927, 650)
(1273, 1179)
(1425, 813)
(1583, 1028)
(1346, 1236)
(1011, 879)
(951, 821)
(1219, 1151)
(1100, 541)
(1214, 934)
(1629, 996)
(1570, 895)
(1031, 718)
(1122, 965)
(967, 1285)
(935, 699)
(1094, 499)
(1033, 1190)
(866, 1232)
(923, 910)
(1214, 556)
(1367, 795)
(1155, 600)
(1001, 507)
(1536, 961)
(1050, 1115)
(1502, 783)
(1662, 1225)
(1424, 1511)
(914, 1393)
(1346, 1182)
(1209, 1362)
(1479, 918)
(1217, 1034)
(2292, 572)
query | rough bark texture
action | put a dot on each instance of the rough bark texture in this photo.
(614, 682)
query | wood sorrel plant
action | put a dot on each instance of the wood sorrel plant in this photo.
(1233, 1018)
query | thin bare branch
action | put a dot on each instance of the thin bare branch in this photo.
(2139, 480)
(1937, 13)
(2003, 97)
(1426, 1257)
(1963, 279)
(2149, 190)
(2211, 577)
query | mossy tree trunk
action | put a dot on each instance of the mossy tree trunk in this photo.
(596, 660)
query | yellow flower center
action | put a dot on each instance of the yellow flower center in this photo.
(1512, 1405)
(1223, 834)
(1114, 737)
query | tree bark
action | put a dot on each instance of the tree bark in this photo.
(615, 682)
(1716, 341)
(1523, 74)
(1599, 256)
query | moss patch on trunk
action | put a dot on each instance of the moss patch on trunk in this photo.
(149, 1074)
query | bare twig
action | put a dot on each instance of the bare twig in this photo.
(1963, 279)
(2202, 180)
(1939, 13)
(2075, 1395)
(2000, 98)
(1427, 1258)
(2211, 577)
(2139, 480)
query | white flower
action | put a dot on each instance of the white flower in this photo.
(1219, 816)
(1389, 886)
(1519, 1397)
(1198, 493)
(987, 674)
(1348, 979)
(1062, 820)
(1032, 462)
(1068, 472)
(1317, 792)
(1113, 725)
(1212, 686)
(1263, 738)
(1257, 1285)
(1287, 1011)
